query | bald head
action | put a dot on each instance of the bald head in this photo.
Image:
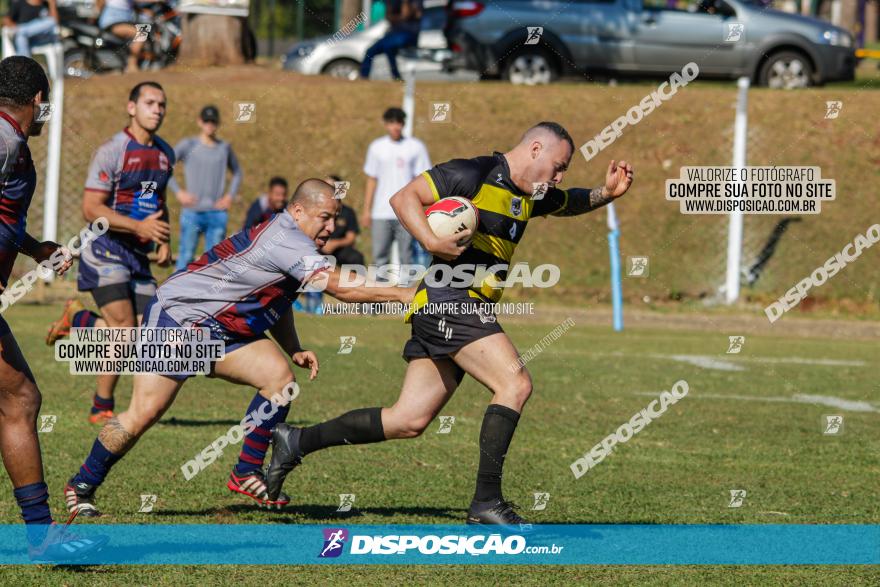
(311, 193)
(314, 209)
(541, 157)
(546, 131)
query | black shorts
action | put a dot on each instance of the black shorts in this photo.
(137, 293)
(437, 334)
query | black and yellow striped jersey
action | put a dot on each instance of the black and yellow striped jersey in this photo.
(504, 214)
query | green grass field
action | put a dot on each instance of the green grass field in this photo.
(735, 430)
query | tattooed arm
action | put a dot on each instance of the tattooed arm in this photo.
(577, 201)
(581, 201)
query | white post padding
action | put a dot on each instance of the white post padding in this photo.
(735, 230)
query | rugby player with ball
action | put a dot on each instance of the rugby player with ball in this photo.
(466, 339)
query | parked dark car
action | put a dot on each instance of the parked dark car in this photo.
(726, 38)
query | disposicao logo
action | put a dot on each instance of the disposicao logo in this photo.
(334, 539)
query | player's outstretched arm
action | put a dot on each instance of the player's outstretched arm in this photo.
(59, 257)
(366, 292)
(618, 179)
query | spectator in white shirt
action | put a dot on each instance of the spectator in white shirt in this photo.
(392, 162)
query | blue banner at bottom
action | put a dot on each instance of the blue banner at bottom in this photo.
(276, 544)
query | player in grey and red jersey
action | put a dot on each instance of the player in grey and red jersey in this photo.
(240, 289)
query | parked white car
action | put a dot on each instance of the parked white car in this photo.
(342, 58)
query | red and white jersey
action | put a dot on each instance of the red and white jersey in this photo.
(242, 286)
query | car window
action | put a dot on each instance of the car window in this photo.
(434, 18)
(717, 7)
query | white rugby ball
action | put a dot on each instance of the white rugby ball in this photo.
(452, 215)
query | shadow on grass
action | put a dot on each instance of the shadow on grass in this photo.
(198, 423)
(297, 514)
(89, 569)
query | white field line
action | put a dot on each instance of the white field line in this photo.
(798, 398)
(722, 361)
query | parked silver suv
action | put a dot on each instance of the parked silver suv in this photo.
(536, 41)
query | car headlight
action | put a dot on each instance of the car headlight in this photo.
(303, 50)
(837, 38)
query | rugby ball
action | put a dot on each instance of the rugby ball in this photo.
(452, 215)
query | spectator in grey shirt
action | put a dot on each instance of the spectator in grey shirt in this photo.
(204, 202)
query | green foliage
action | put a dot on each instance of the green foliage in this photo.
(319, 17)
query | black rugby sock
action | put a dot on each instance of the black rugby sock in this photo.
(361, 426)
(499, 424)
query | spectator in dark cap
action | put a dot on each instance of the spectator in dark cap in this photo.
(205, 202)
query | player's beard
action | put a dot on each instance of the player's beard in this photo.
(36, 129)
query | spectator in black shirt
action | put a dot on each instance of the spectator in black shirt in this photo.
(34, 22)
(341, 242)
(267, 205)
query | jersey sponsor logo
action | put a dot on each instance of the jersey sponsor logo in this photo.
(499, 179)
(103, 176)
(515, 207)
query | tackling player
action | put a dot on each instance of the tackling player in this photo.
(126, 184)
(445, 346)
(23, 85)
(241, 289)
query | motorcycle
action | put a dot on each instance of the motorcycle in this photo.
(89, 50)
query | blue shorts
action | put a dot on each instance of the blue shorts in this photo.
(111, 271)
(155, 316)
(112, 15)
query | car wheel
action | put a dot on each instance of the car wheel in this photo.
(344, 68)
(530, 67)
(786, 70)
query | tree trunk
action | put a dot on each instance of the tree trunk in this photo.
(350, 11)
(871, 22)
(210, 39)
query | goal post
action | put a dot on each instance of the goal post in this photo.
(53, 151)
(735, 218)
